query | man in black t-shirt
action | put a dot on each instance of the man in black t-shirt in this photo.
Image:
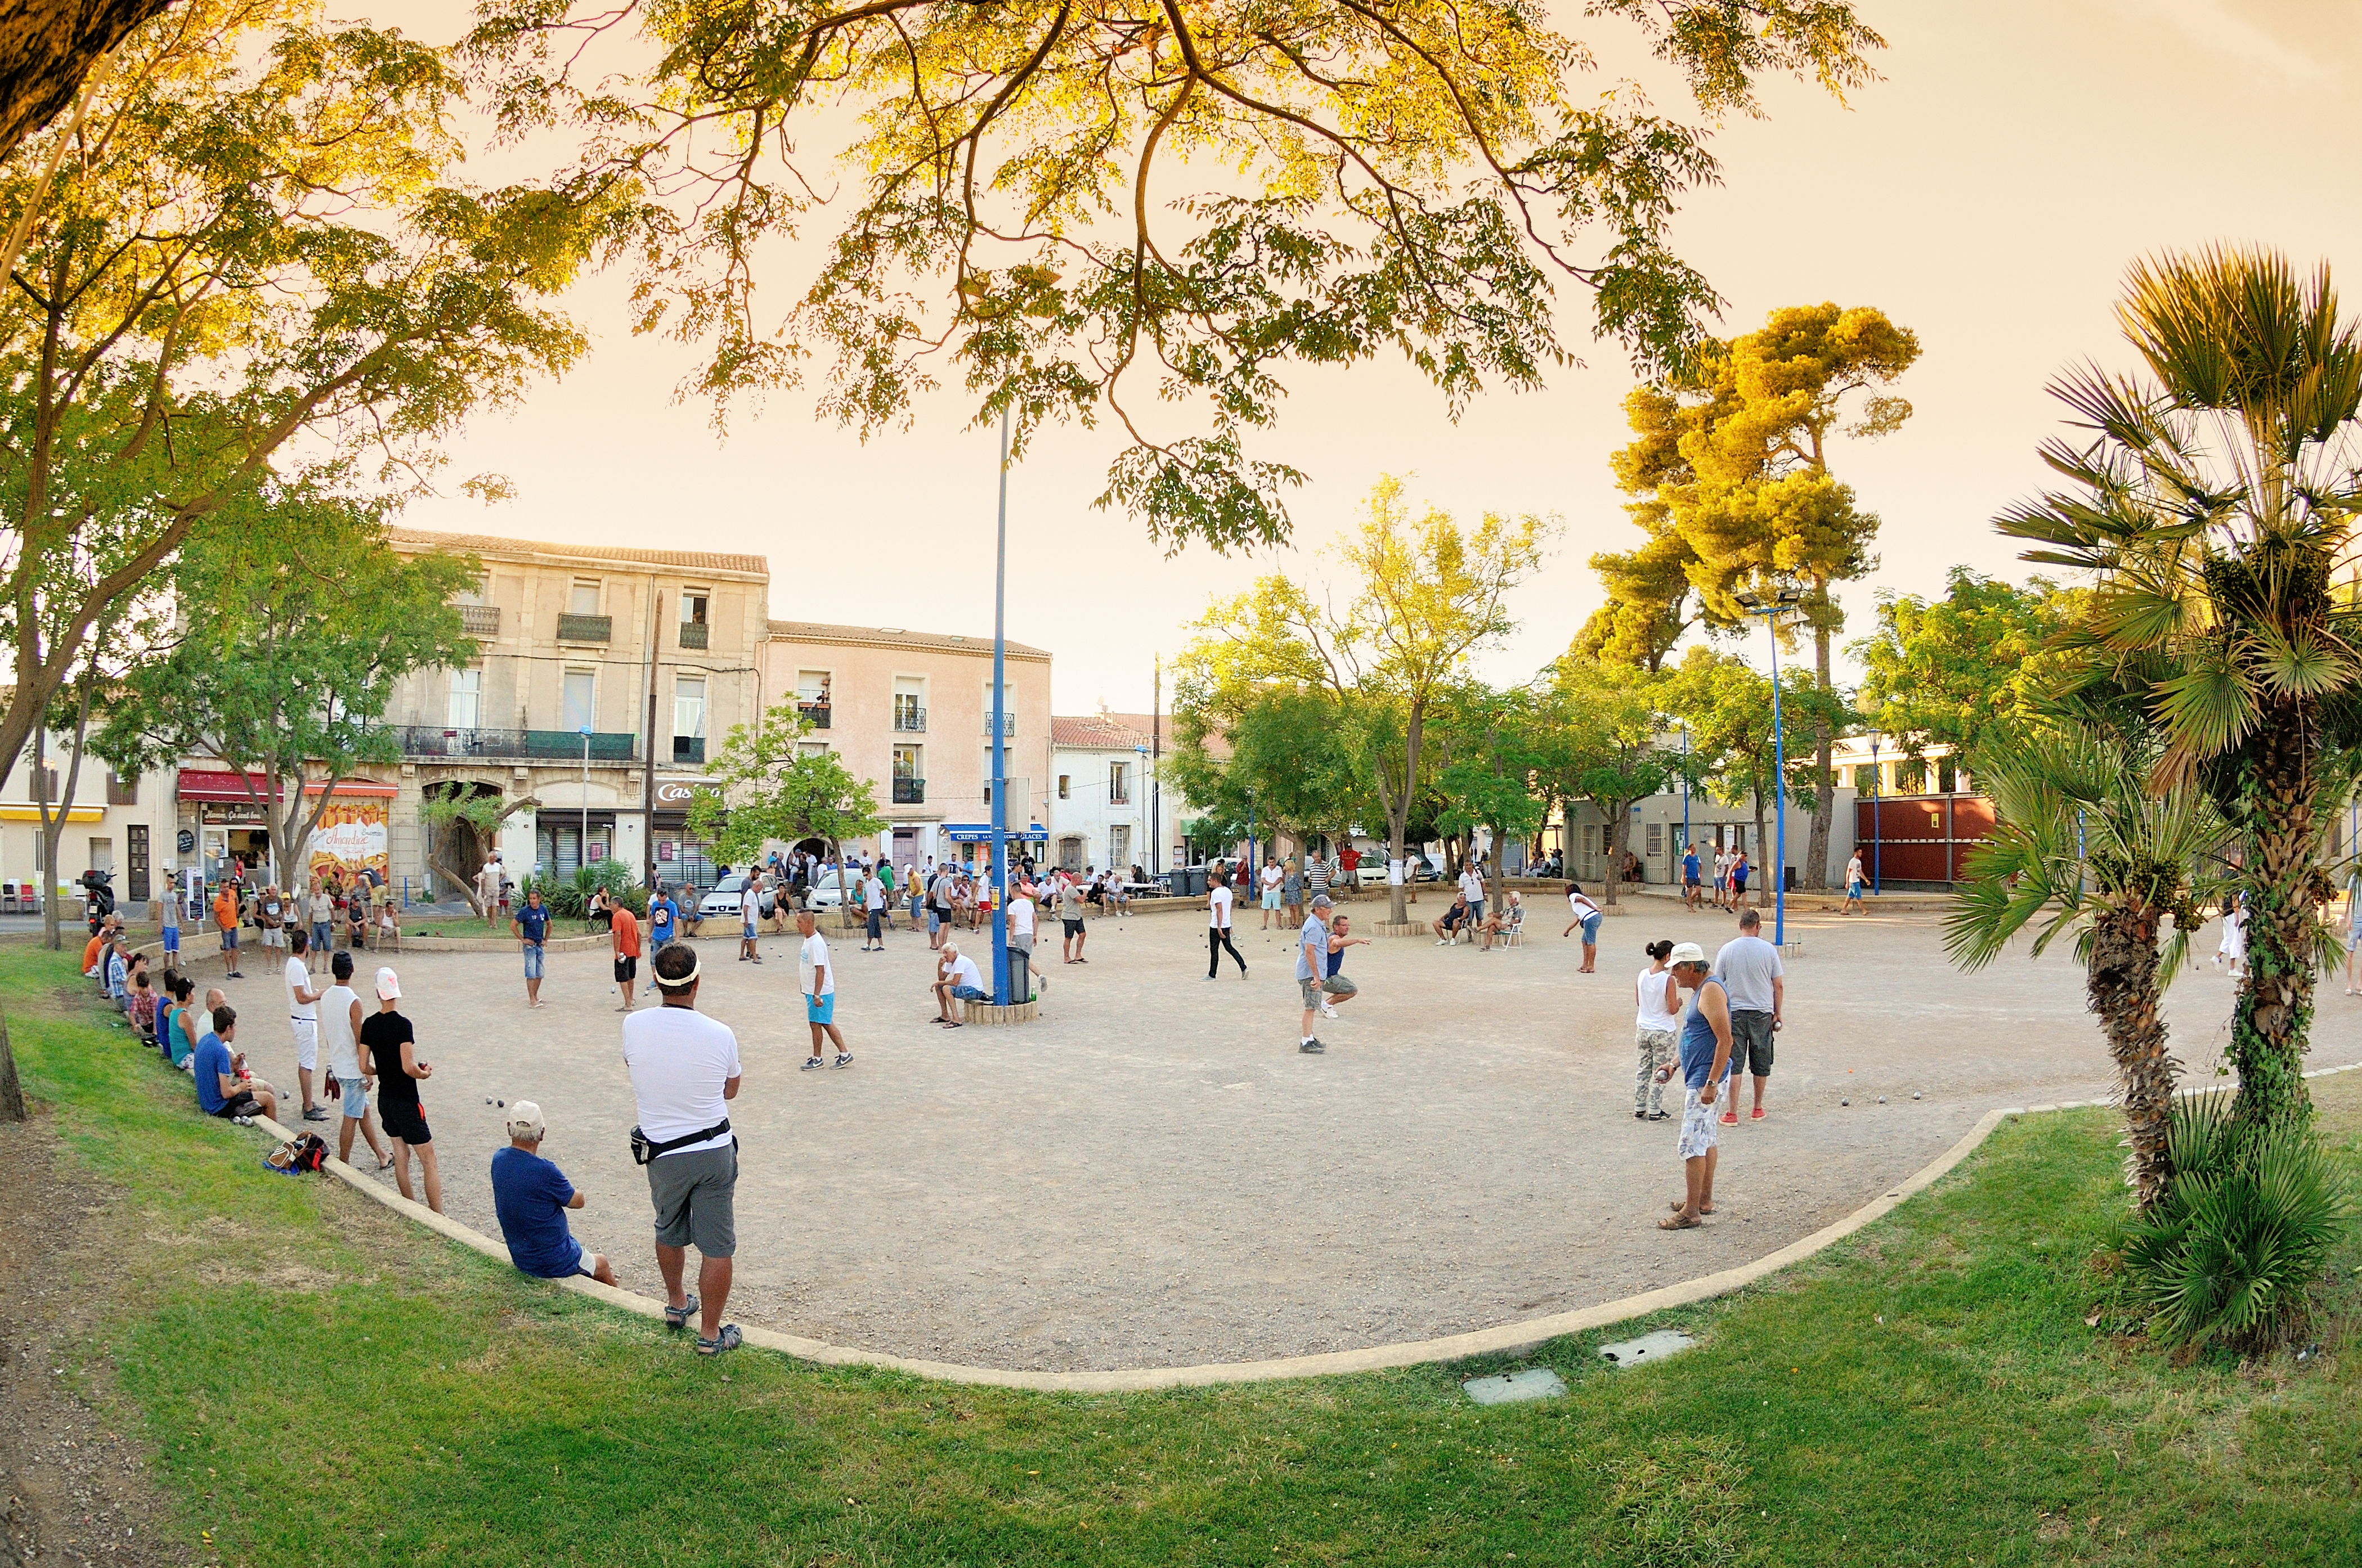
(391, 1044)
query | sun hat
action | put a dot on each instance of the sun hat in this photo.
(389, 986)
(1321, 900)
(524, 1122)
(1686, 953)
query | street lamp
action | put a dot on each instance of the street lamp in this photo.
(1685, 789)
(1771, 610)
(584, 848)
(1000, 737)
(1877, 782)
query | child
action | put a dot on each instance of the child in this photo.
(143, 1005)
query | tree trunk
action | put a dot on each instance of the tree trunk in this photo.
(1398, 819)
(12, 1097)
(1617, 831)
(442, 860)
(1761, 882)
(2123, 991)
(47, 50)
(53, 937)
(1825, 792)
(2273, 1017)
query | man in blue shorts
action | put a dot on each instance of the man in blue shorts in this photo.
(1693, 879)
(532, 927)
(530, 1196)
(819, 977)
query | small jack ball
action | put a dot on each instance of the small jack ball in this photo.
(1881, 1099)
(1915, 1094)
(1845, 1102)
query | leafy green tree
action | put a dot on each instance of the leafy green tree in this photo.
(463, 824)
(1083, 209)
(1651, 600)
(1601, 744)
(1426, 595)
(1973, 670)
(245, 259)
(2214, 496)
(292, 635)
(1491, 749)
(2082, 850)
(764, 790)
(1727, 704)
(1289, 766)
(1738, 458)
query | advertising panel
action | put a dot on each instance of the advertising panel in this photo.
(351, 839)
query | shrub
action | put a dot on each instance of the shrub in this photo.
(2229, 1255)
(570, 897)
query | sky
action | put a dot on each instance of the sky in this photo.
(1987, 193)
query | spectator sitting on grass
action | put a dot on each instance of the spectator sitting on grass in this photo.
(119, 973)
(93, 953)
(530, 1195)
(222, 1088)
(143, 1004)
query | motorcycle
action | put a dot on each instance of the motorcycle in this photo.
(99, 886)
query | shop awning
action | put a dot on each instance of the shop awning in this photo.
(33, 814)
(212, 783)
(981, 832)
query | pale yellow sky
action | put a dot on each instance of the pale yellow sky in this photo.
(1987, 194)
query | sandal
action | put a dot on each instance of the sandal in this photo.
(728, 1339)
(1678, 1223)
(1677, 1206)
(677, 1317)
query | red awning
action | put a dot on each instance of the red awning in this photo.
(203, 783)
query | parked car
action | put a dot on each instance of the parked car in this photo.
(720, 902)
(825, 894)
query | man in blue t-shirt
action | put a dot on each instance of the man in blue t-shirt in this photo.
(532, 926)
(1693, 878)
(662, 913)
(220, 1091)
(530, 1196)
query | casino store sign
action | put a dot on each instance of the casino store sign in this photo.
(674, 795)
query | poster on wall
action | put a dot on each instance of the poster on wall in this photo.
(351, 839)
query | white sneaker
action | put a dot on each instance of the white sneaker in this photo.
(1326, 1010)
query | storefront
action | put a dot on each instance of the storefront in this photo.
(565, 840)
(971, 843)
(681, 858)
(228, 820)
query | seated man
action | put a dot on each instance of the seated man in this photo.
(389, 915)
(118, 972)
(223, 1087)
(531, 1195)
(957, 980)
(1501, 922)
(93, 954)
(1447, 930)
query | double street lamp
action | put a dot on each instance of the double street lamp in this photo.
(1772, 607)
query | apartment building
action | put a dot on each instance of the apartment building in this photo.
(1099, 792)
(603, 673)
(912, 712)
(118, 824)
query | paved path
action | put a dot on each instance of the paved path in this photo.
(1153, 1176)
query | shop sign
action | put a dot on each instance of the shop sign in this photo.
(664, 849)
(674, 795)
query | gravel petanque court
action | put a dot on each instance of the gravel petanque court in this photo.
(1151, 1175)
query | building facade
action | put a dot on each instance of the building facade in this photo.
(1099, 794)
(912, 712)
(117, 825)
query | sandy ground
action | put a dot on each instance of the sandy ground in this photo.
(1153, 1175)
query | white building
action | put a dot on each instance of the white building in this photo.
(1100, 796)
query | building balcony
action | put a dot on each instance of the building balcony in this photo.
(694, 633)
(688, 748)
(910, 720)
(814, 714)
(586, 629)
(423, 741)
(910, 791)
(1007, 724)
(481, 619)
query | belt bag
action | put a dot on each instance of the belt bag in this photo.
(643, 1151)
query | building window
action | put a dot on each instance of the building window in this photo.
(467, 707)
(1008, 709)
(689, 720)
(581, 706)
(811, 698)
(692, 607)
(809, 748)
(121, 792)
(909, 781)
(1063, 783)
(584, 601)
(1656, 837)
(1118, 784)
(909, 705)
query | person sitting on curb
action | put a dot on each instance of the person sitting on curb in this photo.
(224, 1089)
(530, 1197)
(957, 980)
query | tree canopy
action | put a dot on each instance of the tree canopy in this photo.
(1079, 210)
(1970, 670)
(767, 788)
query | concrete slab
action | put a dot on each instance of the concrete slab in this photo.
(1533, 1383)
(1654, 1346)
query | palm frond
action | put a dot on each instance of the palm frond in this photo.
(2212, 706)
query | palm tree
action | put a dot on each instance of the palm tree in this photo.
(2083, 849)
(2215, 499)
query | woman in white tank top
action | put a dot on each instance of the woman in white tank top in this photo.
(1656, 1031)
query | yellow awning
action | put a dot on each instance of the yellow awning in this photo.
(33, 814)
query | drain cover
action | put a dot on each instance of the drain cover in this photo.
(1533, 1383)
(1647, 1347)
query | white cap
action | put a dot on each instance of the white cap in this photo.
(1686, 953)
(524, 1122)
(389, 988)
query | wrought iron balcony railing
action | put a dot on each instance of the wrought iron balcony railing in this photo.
(910, 720)
(910, 791)
(694, 634)
(586, 629)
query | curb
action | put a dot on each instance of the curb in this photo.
(1518, 1336)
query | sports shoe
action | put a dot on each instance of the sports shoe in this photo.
(844, 1058)
(812, 1062)
(1312, 1047)
(1326, 1010)
(317, 1113)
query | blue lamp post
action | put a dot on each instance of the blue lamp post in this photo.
(1685, 787)
(1771, 610)
(999, 731)
(1877, 783)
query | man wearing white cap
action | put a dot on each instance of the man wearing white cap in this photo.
(393, 1046)
(1705, 1054)
(530, 1196)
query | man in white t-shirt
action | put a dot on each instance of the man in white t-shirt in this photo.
(750, 907)
(957, 980)
(302, 1014)
(340, 1024)
(873, 902)
(1755, 979)
(684, 1069)
(818, 978)
(1021, 944)
(1271, 879)
(1472, 888)
(1218, 903)
(1853, 885)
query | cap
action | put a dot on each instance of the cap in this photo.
(1686, 953)
(524, 1122)
(388, 987)
(1321, 901)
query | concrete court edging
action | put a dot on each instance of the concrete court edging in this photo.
(1502, 1337)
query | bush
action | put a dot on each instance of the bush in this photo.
(569, 898)
(2229, 1255)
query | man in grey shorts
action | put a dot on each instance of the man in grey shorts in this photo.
(1751, 972)
(1313, 946)
(684, 1067)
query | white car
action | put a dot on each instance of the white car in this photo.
(825, 894)
(721, 902)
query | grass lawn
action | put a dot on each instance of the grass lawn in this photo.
(323, 1383)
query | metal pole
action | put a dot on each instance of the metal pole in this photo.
(585, 846)
(1686, 786)
(1000, 769)
(1251, 839)
(1779, 797)
(1157, 772)
(1877, 782)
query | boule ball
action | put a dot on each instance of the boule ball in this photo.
(1881, 1099)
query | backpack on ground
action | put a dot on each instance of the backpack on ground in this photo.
(305, 1152)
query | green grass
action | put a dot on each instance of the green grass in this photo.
(1925, 1394)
